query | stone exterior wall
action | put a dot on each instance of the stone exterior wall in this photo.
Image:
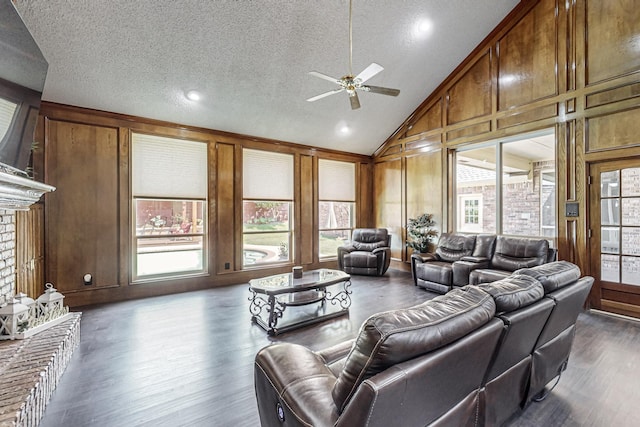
(7, 254)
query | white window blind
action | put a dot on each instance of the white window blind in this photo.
(267, 175)
(336, 180)
(168, 167)
(7, 110)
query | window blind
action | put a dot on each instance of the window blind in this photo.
(168, 167)
(336, 180)
(267, 175)
(7, 110)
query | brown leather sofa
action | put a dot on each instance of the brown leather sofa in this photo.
(369, 252)
(481, 258)
(474, 356)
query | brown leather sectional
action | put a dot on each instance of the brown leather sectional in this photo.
(462, 259)
(472, 357)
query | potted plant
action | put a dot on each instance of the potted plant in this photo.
(420, 233)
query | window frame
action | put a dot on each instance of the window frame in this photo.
(351, 201)
(271, 197)
(204, 234)
(463, 226)
(498, 146)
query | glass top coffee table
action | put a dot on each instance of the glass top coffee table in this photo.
(271, 295)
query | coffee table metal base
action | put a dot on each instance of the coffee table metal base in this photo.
(331, 304)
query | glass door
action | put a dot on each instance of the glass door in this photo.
(615, 243)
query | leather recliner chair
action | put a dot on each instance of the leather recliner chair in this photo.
(369, 252)
(409, 367)
(435, 271)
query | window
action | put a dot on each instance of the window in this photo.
(336, 205)
(476, 190)
(169, 183)
(508, 187)
(470, 213)
(267, 207)
(7, 111)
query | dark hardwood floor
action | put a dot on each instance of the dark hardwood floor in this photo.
(187, 360)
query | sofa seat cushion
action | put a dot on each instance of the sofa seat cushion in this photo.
(360, 259)
(388, 338)
(435, 271)
(487, 275)
(514, 292)
(554, 275)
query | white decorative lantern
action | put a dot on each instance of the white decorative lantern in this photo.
(14, 318)
(30, 303)
(50, 303)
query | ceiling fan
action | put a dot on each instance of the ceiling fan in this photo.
(350, 83)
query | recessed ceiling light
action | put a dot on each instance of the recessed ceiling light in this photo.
(345, 130)
(193, 95)
(422, 28)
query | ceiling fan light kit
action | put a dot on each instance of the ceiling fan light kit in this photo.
(352, 84)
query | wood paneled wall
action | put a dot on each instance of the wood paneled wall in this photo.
(569, 65)
(85, 154)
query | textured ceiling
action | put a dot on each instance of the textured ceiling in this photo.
(250, 60)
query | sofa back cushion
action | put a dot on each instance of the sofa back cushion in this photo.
(391, 337)
(513, 253)
(485, 245)
(452, 247)
(376, 236)
(554, 275)
(514, 292)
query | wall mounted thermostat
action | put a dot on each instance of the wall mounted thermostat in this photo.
(571, 209)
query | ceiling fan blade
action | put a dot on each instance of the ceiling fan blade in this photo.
(324, 76)
(322, 95)
(369, 72)
(381, 90)
(355, 102)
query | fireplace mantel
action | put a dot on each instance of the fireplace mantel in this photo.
(18, 193)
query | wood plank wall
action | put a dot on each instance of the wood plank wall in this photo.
(85, 154)
(569, 65)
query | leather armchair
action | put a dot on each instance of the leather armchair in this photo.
(369, 252)
(435, 271)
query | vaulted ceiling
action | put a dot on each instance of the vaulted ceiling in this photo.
(250, 60)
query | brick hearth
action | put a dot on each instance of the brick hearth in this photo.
(30, 370)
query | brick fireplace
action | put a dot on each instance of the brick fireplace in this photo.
(31, 367)
(7, 255)
(16, 193)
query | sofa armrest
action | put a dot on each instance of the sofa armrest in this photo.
(484, 261)
(462, 269)
(384, 258)
(342, 251)
(293, 383)
(338, 351)
(417, 258)
(335, 356)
